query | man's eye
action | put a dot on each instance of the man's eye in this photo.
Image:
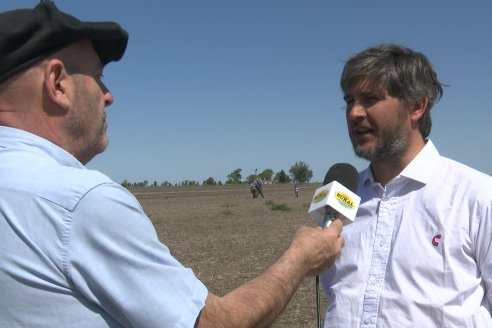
(369, 100)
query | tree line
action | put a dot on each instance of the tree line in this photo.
(299, 173)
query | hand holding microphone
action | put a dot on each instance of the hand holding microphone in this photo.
(318, 248)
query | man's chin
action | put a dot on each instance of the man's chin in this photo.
(101, 146)
(104, 145)
(364, 152)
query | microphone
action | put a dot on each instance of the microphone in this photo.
(337, 197)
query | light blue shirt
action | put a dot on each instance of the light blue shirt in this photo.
(419, 253)
(77, 250)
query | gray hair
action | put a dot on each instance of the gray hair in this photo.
(404, 73)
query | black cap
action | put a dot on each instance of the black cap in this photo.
(29, 35)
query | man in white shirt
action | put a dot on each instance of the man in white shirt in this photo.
(419, 252)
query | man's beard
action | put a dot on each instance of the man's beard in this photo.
(391, 146)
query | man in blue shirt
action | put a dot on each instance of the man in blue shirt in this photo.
(77, 249)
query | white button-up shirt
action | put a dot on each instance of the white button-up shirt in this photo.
(419, 253)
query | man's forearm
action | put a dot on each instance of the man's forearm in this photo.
(258, 302)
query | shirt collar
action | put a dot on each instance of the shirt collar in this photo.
(420, 168)
(15, 138)
(423, 165)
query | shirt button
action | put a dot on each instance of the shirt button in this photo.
(367, 321)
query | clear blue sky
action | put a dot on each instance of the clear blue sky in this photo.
(209, 86)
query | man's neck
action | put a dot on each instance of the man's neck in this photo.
(385, 170)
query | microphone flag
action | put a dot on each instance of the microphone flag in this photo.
(333, 201)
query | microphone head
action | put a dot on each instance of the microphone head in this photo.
(345, 174)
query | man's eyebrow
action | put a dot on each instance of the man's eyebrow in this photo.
(364, 93)
(360, 94)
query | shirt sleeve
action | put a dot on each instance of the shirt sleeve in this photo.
(115, 260)
(484, 252)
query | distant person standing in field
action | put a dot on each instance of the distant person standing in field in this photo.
(254, 191)
(77, 249)
(259, 187)
(296, 190)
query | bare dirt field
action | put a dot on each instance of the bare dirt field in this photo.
(228, 238)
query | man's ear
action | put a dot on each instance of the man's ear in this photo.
(419, 109)
(56, 83)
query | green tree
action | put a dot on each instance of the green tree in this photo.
(300, 172)
(281, 177)
(189, 183)
(209, 182)
(234, 177)
(266, 174)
